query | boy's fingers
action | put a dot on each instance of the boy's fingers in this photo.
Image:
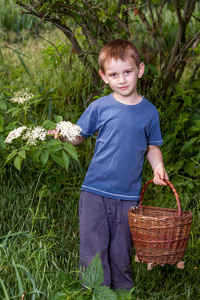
(53, 132)
(158, 180)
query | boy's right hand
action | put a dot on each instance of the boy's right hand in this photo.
(53, 132)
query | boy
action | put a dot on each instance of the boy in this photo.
(128, 127)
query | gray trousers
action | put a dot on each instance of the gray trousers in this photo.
(104, 228)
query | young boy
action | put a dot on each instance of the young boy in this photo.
(128, 127)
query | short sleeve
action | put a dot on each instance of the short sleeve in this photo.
(89, 121)
(154, 136)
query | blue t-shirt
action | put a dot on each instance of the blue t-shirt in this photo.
(124, 131)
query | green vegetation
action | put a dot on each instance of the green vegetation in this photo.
(39, 240)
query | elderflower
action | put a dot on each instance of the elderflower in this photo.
(33, 134)
(21, 96)
(14, 134)
(68, 130)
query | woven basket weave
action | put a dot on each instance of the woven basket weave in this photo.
(160, 235)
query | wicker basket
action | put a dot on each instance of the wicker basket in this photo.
(160, 235)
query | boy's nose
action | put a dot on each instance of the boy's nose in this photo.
(122, 79)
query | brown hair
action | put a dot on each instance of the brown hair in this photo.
(118, 49)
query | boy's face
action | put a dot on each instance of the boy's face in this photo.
(122, 77)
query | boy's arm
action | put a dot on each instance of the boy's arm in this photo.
(79, 139)
(155, 158)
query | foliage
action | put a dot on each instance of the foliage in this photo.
(39, 248)
(39, 147)
(12, 22)
(88, 25)
(89, 287)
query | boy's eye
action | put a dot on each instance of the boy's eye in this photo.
(128, 72)
(113, 75)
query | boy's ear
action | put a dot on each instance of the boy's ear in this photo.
(103, 76)
(141, 70)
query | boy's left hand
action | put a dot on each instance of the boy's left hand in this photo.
(160, 174)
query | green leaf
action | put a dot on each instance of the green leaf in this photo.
(189, 143)
(65, 159)
(3, 106)
(190, 185)
(190, 168)
(21, 290)
(22, 153)
(19, 53)
(18, 162)
(35, 290)
(57, 159)
(37, 154)
(197, 122)
(58, 119)
(51, 143)
(178, 165)
(71, 150)
(49, 125)
(184, 117)
(173, 106)
(1, 121)
(2, 139)
(24, 65)
(187, 100)
(4, 290)
(153, 69)
(104, 292)
(169, 137)
(10, 127)
(11, 155)
(13, 109)
(25, 148)
(44, 157)
(55, 148)
(93, 275)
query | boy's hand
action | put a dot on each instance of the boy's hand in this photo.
(160, 174)
(53, 132)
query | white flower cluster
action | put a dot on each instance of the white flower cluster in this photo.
(14, 134)
(21, 96)
(68, 130)
(31, 135)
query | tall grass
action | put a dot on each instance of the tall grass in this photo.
(65, 81)
(39, 238)
(14, 25)
(39, 235)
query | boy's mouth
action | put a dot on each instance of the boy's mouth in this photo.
(123, 87)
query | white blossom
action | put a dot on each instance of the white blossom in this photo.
(32, 135)
(68, 130)
(21, 96)
(14, 134)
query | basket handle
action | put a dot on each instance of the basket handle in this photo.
(173, 190)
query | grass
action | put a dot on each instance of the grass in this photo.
(39, 237)
(35, 238)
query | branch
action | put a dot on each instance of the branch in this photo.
(66, 30)
(152, 16)
(149, 29)
(189, 8)
(194, 73)
(178, 11)
(179, 60)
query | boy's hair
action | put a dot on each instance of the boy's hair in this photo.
(118, 49)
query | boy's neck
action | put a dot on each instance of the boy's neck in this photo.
(132, 100)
